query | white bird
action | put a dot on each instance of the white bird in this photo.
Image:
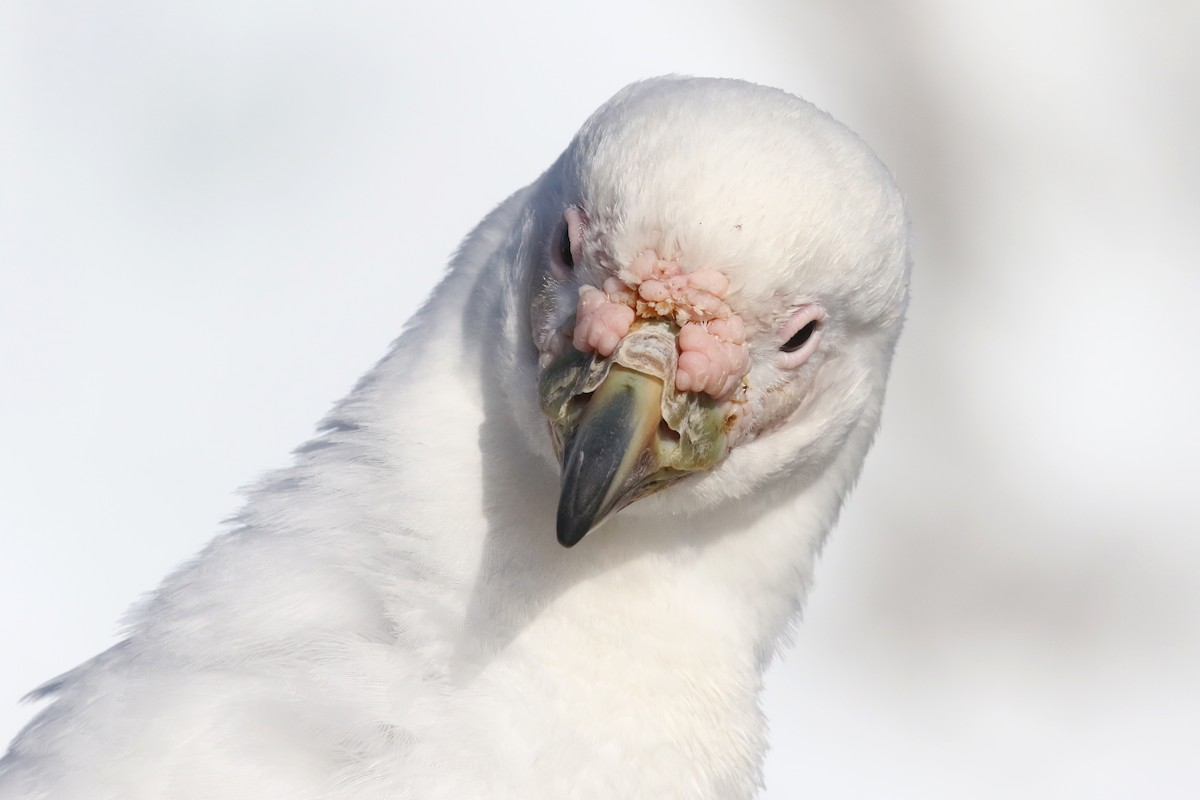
(692, 314)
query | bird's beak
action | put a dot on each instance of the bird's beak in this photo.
(621, 429)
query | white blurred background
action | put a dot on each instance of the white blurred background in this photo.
(215, 215)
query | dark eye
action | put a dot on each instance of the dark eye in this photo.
(564, 248)
(799, 338)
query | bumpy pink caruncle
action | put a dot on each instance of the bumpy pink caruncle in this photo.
(600, 322)
(713, 355)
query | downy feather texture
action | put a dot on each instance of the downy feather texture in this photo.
(390, 615)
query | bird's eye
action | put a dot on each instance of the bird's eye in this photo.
(566, 242)
(801, 335)
(799, 338)
(564, 248)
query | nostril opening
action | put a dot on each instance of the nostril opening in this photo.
(666, 434)
(577, 404)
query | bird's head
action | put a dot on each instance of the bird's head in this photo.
(718, 273)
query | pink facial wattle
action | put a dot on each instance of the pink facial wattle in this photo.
(600, 321)
(713, 355)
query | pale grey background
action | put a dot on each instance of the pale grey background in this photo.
(215, 215)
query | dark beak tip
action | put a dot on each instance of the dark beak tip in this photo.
(571, 530)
